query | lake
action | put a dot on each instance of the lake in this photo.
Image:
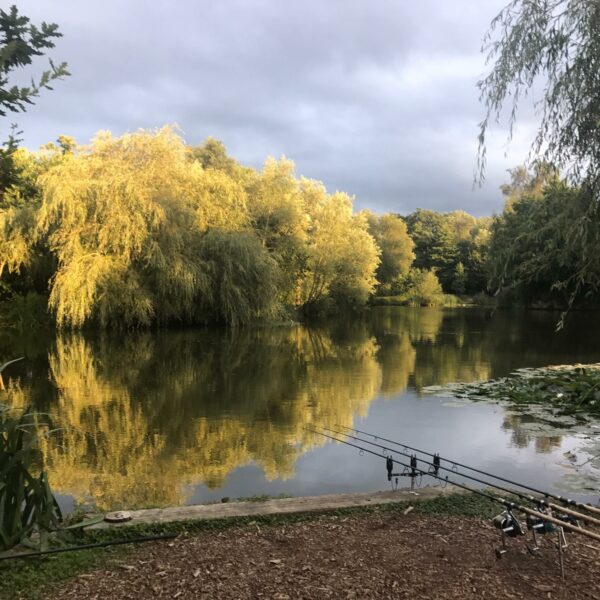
(190, 416)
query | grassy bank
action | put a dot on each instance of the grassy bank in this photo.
(36, 578)
(441, 300)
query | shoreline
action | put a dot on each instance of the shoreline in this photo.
(424, 547)
(276, 506)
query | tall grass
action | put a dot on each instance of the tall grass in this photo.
(27, 504)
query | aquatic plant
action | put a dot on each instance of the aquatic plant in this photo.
(27, 504)
(567, 389)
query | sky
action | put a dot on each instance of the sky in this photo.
(377, 99)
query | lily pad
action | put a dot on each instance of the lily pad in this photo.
(569, 393)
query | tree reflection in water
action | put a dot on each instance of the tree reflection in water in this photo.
(143, 416)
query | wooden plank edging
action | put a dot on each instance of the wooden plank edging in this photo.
(275, 506)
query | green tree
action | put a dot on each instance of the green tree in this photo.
(472, 241)
(396, 247)
(424, 288)
(212, 154)
(528, 182)
(277, 213)
(473, 254)
(20, 43)
(459, 283)
(243, 278)
(435, 244)
(530, 250)
(342, 257)
(26, 263)
(556, 42)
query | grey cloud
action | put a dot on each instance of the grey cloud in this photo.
(375, 98)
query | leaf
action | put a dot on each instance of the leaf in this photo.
(85, 523)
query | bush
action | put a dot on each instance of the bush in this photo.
(418, 288)
(424, 289)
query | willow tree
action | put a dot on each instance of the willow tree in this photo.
(279, 218)
(244, 278)
(556, 44)
(530, 249)
(125, 218)
(25, 263)
(342, 257)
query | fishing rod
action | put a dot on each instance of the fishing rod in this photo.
(436, 466)
(512, 524)
(567, 501)
(138, 540)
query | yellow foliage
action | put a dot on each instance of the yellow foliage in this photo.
(342, 257)
(127, 229)
(127, 212)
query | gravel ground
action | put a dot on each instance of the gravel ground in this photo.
(376, 556)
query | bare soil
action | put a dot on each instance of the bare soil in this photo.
(371, 556)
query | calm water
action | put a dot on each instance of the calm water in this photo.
(155, 419)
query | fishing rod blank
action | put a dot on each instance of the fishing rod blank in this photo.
(587, 519)
(506, 503)
(429, 464)
(568, 501)
(147, 538)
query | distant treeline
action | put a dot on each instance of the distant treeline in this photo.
(143, 230)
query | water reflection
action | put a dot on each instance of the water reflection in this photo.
(521, 436)
(146, 416)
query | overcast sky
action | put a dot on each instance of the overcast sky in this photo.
(377, 99)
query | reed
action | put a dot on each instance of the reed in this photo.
(27, 504)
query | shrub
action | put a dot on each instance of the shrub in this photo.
(424, 288)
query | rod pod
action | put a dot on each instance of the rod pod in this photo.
(567, 501)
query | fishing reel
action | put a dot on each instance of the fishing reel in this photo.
(537, 525)
(570, 519)
(509, 526)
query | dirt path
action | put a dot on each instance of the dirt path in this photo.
(377, 556)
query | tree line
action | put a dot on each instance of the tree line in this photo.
(143, 229)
